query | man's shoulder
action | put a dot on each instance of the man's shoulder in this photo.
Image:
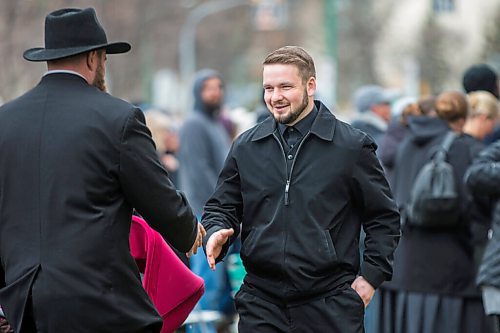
(107, 99)
(104, 105)
(349, 135)
(91, 102)
(259, 131)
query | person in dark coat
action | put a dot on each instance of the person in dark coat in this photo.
(482, 77)
(75, 161)
(483, 178)
(433, 288)
(483, 115)
(302, 184)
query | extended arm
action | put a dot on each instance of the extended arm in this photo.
(223, 211)
(147, 187)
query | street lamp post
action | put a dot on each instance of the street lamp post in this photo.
(187, 42)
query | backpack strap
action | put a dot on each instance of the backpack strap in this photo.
(445, 145)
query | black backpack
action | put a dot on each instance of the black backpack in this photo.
(434, 199)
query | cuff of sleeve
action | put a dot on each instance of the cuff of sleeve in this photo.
(373, 275)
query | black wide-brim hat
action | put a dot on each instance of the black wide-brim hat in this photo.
(71, 31)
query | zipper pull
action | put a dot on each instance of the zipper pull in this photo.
(287, 188)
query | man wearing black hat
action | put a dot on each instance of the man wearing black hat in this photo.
(75, 161)
(481, 77)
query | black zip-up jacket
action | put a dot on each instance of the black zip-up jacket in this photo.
(300, 229)
(483, 178)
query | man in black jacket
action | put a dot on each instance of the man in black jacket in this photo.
(75, 161)
(302, 183)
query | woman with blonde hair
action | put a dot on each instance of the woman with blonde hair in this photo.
(483, 114)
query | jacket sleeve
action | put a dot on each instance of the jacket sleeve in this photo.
(149, 190)
(224, 209)
(379, 214)
(483, 176)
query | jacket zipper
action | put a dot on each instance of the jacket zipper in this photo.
(287, 186)
(289, 175)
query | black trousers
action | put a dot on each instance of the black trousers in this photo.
(341, 311)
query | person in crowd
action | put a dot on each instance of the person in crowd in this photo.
(481, 121)
(427, 105)
(482, 77)
(433, 288)
(166, 140)
(75, 162)
(204, 144)
(483, 115)
(483, 178)
(397, 130)
(373, 104)
(302, 184)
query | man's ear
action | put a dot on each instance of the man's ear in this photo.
(91, 60)
(311, 86)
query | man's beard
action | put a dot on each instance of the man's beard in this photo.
(211, 108)
(99, 81)
(295, 113)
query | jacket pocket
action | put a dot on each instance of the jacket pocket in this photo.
(250, 242)
(332, 253)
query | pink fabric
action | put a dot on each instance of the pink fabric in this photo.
(172, 287)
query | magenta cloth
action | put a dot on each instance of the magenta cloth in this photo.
(172, 287)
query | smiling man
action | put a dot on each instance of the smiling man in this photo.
(302, 184)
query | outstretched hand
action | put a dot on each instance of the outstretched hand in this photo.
(215, 244)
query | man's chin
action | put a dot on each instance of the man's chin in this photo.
(282, 119)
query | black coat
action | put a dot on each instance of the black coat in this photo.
(429, 260)
(74, 162)
(308, 245)
(483, 178)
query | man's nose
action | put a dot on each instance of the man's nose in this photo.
(276, 96)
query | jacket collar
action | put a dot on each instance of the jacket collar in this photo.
(323, 126)
(56, 76)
